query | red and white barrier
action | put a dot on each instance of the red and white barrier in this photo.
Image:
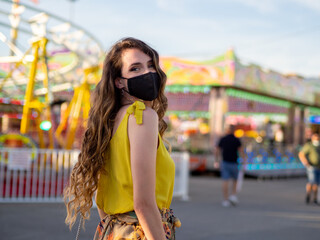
(30, 175)
(39, 175)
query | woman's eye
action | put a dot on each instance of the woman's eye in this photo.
(151, 66)
(134, 69)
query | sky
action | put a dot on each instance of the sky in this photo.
(281, 35)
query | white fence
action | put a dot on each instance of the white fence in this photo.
(181, 184)
(39, 175)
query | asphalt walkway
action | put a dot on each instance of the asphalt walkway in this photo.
(271, 209)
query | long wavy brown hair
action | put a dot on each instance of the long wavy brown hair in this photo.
(105, 103)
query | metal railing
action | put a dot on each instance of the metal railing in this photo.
(40, 175)
(30, 175)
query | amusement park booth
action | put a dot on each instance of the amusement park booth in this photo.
(270, 111)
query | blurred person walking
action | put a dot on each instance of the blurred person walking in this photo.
(229, 148)
(310, 158)
(123, 157)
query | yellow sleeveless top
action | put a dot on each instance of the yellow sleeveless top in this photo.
(115, 187)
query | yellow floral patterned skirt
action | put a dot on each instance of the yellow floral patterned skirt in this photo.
(126, 226)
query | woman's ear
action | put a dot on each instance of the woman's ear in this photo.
(119, 83)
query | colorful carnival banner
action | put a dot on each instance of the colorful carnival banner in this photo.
(219, 71)
(226, 70)
(293, 88)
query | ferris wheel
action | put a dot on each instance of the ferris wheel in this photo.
(69, 48)
(46, 54)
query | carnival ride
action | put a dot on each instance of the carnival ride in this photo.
(61, 56)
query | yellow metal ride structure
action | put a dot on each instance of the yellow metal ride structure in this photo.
(80, 99)
(30, 102)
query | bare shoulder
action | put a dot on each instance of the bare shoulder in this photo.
(145, 134)
(150, 114)
(149, 120)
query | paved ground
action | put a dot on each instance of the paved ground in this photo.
(271, 209)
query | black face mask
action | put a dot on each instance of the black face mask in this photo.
(145, 87)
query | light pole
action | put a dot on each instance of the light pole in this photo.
(71, 9)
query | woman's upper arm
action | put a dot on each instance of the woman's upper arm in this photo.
(143, 151)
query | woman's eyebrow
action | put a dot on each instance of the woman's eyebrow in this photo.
(136, 63)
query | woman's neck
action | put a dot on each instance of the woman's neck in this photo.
(130, 100)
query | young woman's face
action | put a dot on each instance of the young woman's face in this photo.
(135, 63)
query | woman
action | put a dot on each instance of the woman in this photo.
(123, 156)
